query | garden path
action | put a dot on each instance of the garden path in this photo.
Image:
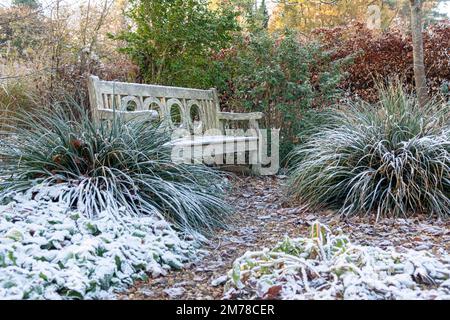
(263, 218)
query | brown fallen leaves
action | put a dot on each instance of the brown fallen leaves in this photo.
(263, 218)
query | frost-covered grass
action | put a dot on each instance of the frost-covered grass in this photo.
(123, 168)
(327, 266)
(50, 251)
(390, 159)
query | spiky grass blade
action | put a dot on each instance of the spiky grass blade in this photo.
(121, 168)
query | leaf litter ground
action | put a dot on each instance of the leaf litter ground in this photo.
(264, 217)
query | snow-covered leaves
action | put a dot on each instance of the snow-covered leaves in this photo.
(48, 251)
(328, 266)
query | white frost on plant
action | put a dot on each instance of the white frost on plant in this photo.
(49, 251)
(328, 266)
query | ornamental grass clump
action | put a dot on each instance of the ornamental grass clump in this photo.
(390, 159)
(123, 168)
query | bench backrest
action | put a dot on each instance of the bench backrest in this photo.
(177, 107)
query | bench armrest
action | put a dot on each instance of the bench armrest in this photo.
(240, 116)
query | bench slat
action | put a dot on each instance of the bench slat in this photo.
(207, 140)
(108, 114)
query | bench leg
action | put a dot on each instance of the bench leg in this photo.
(255, 163)
(256, 169)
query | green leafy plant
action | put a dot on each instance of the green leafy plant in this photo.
(391, 158)
(279, 75)
(121, 168)
(173, 40)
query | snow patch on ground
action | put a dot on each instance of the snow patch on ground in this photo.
(328, 266)
(49, 251)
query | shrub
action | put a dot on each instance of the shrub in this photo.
(379, 56)
(123, 168)
(282, 77)
(14, 96)
(172, 41)
(391, 158)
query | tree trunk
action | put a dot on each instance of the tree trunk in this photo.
(417, 40)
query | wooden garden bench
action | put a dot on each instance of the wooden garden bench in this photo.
(193, 110)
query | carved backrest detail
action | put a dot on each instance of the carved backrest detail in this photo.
(192, 109)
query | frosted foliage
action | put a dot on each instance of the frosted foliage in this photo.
(327, 266)
(48, 251)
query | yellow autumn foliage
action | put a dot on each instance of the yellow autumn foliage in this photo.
(306, 15)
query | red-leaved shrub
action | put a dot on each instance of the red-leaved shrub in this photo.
(388, 54)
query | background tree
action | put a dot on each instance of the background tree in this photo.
(429, 13)
(381, 56)
(52, 49)
(26, 3)
(264, 14)
(249, 15)
(22, 32)
(172, 40)
(307, 15)
(417, 41)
